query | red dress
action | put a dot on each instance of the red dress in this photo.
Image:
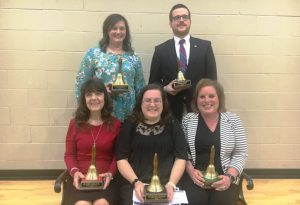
(79, 142)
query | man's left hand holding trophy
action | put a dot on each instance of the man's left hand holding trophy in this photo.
(178, 84)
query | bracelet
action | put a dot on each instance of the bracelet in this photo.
(231, 177)
(171, 184)
(134, 181)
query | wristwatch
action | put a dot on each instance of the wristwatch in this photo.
(231, 177)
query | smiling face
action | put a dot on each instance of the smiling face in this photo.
(94, 101)
(208, 101)
(180, 22)
(117, 33)
(152, 106)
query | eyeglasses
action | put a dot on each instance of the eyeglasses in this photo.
(154, 100)
(178, 18)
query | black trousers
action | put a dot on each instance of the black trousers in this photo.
(198, 196)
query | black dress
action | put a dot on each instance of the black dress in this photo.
(205, 138)
(139, 143)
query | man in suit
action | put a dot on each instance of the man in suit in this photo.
(200, 61)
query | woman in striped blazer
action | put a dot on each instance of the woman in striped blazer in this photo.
(209, 125)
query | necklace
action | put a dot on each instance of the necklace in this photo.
(95, 138)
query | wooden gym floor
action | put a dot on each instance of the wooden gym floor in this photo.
(265, 192)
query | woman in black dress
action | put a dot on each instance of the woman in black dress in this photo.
(149, 130)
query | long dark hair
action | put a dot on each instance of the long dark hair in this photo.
(108, 25)
(137, 113)
(82, 113)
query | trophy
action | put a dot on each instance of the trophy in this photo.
(210, 175)
(155, 192)
(92, 181)
(119, 86)
(180, 82)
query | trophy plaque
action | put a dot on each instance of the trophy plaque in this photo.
(211, 175)
(180, 82)
(119, 86)
(155, 192)
(92, 181)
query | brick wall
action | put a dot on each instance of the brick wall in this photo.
(257, 49)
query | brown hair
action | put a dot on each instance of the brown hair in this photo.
(178, 6)
(108, 24)
(219, 90)
(137, 114)
(82, 112)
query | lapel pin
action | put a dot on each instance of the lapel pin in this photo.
(195, 46)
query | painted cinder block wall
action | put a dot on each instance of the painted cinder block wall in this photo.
(257, 49)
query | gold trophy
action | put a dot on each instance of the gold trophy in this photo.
(211, 175)
(92, 181)
(155, 192)
(180, 82)
(119, 86)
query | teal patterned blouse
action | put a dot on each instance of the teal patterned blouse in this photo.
(105, 66)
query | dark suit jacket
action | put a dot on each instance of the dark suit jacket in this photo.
(164, 69)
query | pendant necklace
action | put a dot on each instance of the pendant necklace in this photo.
(95, 138)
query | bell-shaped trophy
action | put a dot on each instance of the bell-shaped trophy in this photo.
(155, 192)
(119, 86)
(180, 82)
(92, 181)
(211, 175)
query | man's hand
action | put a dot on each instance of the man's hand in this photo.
(169, 89)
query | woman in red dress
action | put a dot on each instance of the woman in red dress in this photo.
(92, 125)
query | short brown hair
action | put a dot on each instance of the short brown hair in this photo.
(178, 6)
(219, 90)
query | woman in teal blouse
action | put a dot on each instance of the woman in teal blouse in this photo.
(102, 62)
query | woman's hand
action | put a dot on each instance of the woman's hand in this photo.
(107, 178)
(139, 190)
(170, 190)
(78, 175)
(223, 184)
(197, 177)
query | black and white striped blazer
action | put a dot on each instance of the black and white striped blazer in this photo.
(234, 150)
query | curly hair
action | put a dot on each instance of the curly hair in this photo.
(82, 113)
(137, 113)
(108, 25)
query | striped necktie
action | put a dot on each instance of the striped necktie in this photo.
(182, 56)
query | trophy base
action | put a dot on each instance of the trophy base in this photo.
(155, 197)
(116, 89)
(91, 184)
(181, 84)
(209, 182)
